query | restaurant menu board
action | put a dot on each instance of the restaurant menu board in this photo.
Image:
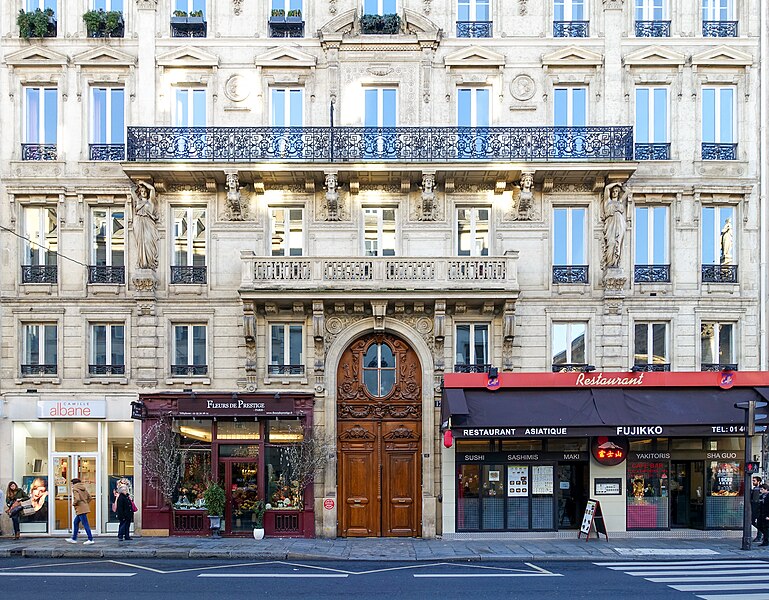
(593, 520)
(517, 481)
(726, 478)
(542, 479)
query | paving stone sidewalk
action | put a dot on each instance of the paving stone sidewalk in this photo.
(389, 549)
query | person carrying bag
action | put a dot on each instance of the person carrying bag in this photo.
(14, 507)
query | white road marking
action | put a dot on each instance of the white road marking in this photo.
(708, 578)
(665, 551)
(726, 587)
(647, 563)
(736, 597)
(684, 573)
(276, 575)
(448, 575)
(55, 574)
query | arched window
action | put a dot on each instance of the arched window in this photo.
(379, 369)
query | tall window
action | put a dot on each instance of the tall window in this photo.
(287, 6)
(570, 107)
(379, 226)
(472, 348)
(40, 353)
(189, 350)
(716, 345)
(41, 4)
(379, 7)
(189, 237)
(473, 107)
(718, 18)
(719, 261)
(568, 345)
(473, 231)
(287, 231)
(40, 123)
(190, 6)
(651, 244)
(651, 346)
(570, 18)
(473, 18)
(651, 123)
(380, 107)
(107, 123)
(286, 107)
(107, 349)
(379, 369)
(107, 5)
(718, 123)
(190, 107)
(107, 246)
(651, 18)
(41, 233)
(286, 349)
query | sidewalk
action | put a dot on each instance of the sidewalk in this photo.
(388, 549)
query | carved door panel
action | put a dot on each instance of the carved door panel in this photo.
(401, 504)
(358, 481)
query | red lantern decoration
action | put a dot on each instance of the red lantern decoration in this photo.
(448, 438)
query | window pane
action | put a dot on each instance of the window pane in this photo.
(118, 238)
(708, 243)
(199, 238)
(463, 344)
(481, 344)
(99, 344)
(642, 236)
(278, 108)
(482, 117)
(641, 343)
(559, 343)
(118, 117)
(560, 105)
(199, 345)
(642, 115)
(181, 233)
(387, 378)
(51, 349)
(372, 108)
(708, 115)
(660, 256)
(51, 96)
(118, 345)
(578, 236)
(295, 108)
(386, 357)
(579, 104)
(725, 343)
(659, 342)
(464, 108)
(559, 12)
(181, 350)
(199, 107)
(33, 115)
(99, 116)
(371, 359)
(296, 237)
(660, 115)
(295, 344)
(463, 10)
(560, 249)
(707, 342)
(726, 242)
(277, 355)
(100, 237)
(578, 343)
(726, 116)
(463, 232)
(389, 108)
(32, 344)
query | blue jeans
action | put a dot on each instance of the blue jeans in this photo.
(76, 526)
(124, 529)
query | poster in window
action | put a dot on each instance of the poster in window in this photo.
(542, 479)
(517, 481)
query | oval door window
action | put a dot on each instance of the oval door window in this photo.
(379, 370)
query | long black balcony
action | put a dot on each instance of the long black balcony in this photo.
(719, 29)
(570, 368)
(285, 369)
(712, 151)
(650, 367)
(106, 274)
(188, 275)
(188, 27)
(571, 29)
(41, 370)
(652, 29)
(189, 370)
(39, 274)
(113, 152)
(38, 152)
(718, 366)
(106, 370)
(473, 29)
(356, 144)
(719, 273)
(651, 273)
(471, 368)
(657, 151)
(286, 27)
(570, 274)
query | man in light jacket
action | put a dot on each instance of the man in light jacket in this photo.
(81, 500)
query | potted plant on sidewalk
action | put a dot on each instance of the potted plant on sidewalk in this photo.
(213, 498)
(258, 520)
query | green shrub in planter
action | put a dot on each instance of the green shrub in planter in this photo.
(214, 500)
(113, 21)
(196, 13)
(94, 21)
(294, 13)
(278, 12)
(35, 23)
(258, 515)
(180, 13)
(380, 24)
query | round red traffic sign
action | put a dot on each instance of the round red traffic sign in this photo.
(328, 503)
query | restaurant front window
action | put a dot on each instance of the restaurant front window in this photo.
(723, 501)
(647, 495)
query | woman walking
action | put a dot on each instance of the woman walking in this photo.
(81, 499)
(125, 513)
(14, 496)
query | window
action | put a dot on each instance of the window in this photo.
(718, 245)
(379, 370)
(286, 19)
(39, 349)
(379, 7)
(107, 5)
(651, 123)
(718, 124)
(472, 348)
(41, 4)
(287, 6)
(473, 231)
(651, 245)
(190, 107)
(473, 107)
(286, 349)
(716, 346)
(651, 346)
(651, 18)
(107, 246)
(40, 245)
(380, 111)
(718, 18)
(473, 19)
(570, 107)
(189, 350)
(287, 231)
(569, 245)
(40, 123)
(191, 6)
(107, 124)
(189, 257)
(568, 345)
(286, 107)
(379, 231)
(107, 349)
(570, 18)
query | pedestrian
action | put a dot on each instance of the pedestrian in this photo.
(14, 496)
(755, 497)
(125, 513)
(81, 500)
(763, 514)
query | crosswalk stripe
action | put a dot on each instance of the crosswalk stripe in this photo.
(463, 575)
(684, 573)
(649, 563)
(735, 597)
(286, 575)
(708, 578)
(720, 587)
(736, 565)
(54, 574)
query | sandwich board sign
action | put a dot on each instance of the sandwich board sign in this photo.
(593, 520)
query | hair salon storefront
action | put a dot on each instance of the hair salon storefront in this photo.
(525, 452)
(236, 440)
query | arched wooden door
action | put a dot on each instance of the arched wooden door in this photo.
(379, 424)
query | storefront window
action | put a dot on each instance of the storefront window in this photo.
(686, 444)
(516, 445)
(649, 444)
(285, 431)
(736, 444)
(468, 488)
(237, 430)
(30, 442)
(281, 493)
(193, 430)
(474, 445)
(120, 463)
(194, 480)
(567, 445)
(647, 489)
(76, 436)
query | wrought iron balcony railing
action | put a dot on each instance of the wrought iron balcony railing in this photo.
(569, 367)
(651, 367)
(113, 152)
(651, 273)
(471, 368)
(353, 144)
(188, 27)
(719, 273)
(474, 29)
(106, 369)
(712, 151)
(718, 367)
(105, 274)
(719, 29)
(285, 369)
(652, 28)
(189, 370)
(188, 275)
(286, 27)
(570, 273)
(39, 274)
(43, 370)
(571, 29)
(656, 151)
(38, 152)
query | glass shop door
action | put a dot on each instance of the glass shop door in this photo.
(66, 466)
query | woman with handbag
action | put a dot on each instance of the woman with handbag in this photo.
(125, 513)
(14, 496)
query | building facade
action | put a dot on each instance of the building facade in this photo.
(318, 210)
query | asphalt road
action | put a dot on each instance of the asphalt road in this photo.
(202, 579)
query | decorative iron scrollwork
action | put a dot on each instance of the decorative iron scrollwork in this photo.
(570, 273)
(651, 274)
(188, 275)
(719, 273)
(106, 274)
(652, 28)
(39, 274)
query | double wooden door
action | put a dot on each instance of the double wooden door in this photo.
(379, 439)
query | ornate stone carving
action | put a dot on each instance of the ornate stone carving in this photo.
(332, 6)
(614, 283)
(144, 280)
(523, 7)
(146, 4)
(379, 309)
(614, 223)
(237, 7)
(523, 87)
(427, 6)
(145, 225)
(427, 205)
(236, 88)
(333, 206)
(379, 410)
(186, 187)
(236, 210)
(523, 197)
(613, 4)
(570, 188)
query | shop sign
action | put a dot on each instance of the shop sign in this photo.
(502, 457)
(71, 409)
(620, 430)
(608, 486)
(235, 407)
(328, 504)
(609, 451)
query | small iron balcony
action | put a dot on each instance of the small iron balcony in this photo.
(571, 29)
(285, 369)
(712, 151)
(718, 367)
(657, 151)
(652, 29)
(38, 152)
(188, 27)
(112, 152)
(570, 274)
(39, 274)
(471, 368)
(719, 29)
(719, 273)
(651, 273)
(105, 274)
(41, 370)
(286, 27)
(188, 275)
(570, 367)
(650, 367)
(474, 29)
(189, 370)
(106, 370)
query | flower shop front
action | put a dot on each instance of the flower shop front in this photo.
(245, 443)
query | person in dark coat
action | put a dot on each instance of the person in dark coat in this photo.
(755, 497)
(763, 514)
(125, 513)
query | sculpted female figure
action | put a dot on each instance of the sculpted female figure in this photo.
(614, 223)
(145, 225)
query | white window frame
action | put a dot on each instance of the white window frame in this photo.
(108, 122)
(287, 105)
(569, 236)
(40, 117)
(570, 89)
(107, 342)
(712, 10)
(190, 343)
(647, 9)
(568, 9)
(39, 247)
(474, 93)
(189, 118)
(285, 246)
(472, 9)
(108, 6)
(190, 244)
(380, 8)
(650, 239)
(472, 358)
(473, 230)
(378, 211)
(715, 343)
(178, 4)
(568, 325)
(32, 5)
(650, 341)
(41, 343)
(651, 115)
(380, 118)
(715, 239)
(109, 240)
(717, 113)
(287, 347)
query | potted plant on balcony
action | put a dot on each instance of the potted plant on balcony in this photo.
(178, 17)
(380, 24)
(113, 23)
(99, 23)
(213, 498)
(195, 16)
(278, 15)
(294, 16)
(258, 519)
(35, 23)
